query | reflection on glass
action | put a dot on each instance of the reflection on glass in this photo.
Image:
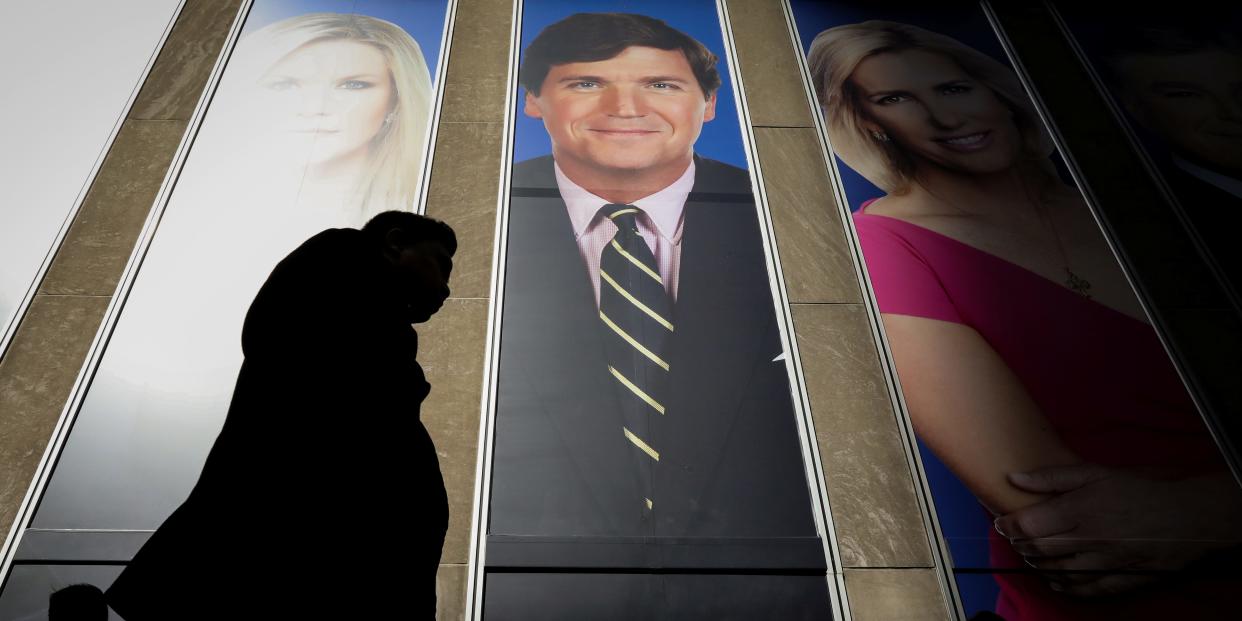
(319, 121)
(689, 597)
(29, 587)
(1178, 79)
(1026, 361)
(643, 388)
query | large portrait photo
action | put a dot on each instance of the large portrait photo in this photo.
(642, 377)
(643, 396)
(1063, 452)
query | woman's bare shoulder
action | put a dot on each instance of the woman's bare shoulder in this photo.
(911, 209)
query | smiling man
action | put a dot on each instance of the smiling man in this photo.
(642, 387)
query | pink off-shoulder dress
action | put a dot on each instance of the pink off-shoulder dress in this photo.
(1101, 377)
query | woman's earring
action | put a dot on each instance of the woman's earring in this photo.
(879, 135)
(388, 119)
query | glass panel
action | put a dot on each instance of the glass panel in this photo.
(57, 113)
(537, 596)
(29, 588)
(1176, 77)
(1055, 432)
(643, 385)
(309, 129)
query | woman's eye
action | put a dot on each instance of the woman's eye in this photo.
(957, 89)
(354, 85)
(890, 99)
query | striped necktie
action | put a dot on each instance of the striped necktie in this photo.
(636, 317)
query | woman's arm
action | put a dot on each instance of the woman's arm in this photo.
(971, 410)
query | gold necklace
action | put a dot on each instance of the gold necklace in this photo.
(1076, 283)
(1073, 281)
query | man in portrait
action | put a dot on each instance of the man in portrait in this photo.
(1182, 85)
(642, 388)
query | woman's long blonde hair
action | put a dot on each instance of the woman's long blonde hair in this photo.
(391, 175)
(836, 52)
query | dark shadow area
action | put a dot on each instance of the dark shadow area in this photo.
(79, 602)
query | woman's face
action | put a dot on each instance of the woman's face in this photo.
(327, 100)
(937, 113)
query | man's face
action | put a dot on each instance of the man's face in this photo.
(1194, 101)
(423, 269)
(639, 111)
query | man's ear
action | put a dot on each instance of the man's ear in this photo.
(532, 107)
(709, 112)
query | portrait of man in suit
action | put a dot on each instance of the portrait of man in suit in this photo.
(1181, 85)
(642, 386)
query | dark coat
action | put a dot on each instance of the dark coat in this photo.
(322, 494)
(730, 465)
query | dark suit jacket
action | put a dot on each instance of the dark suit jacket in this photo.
(1216, 217)
(322, 475)
(730, 463)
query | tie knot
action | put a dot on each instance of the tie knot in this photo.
(624, 216)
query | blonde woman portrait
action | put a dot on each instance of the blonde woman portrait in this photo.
(319, 122)
(1025, 359)
(337, 106)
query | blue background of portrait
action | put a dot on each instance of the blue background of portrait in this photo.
(963, 520)
(423, 19)
(721, 138)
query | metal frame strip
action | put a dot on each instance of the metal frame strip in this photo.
(8, 331)
(491, 361)
(940, 551)
(793, 362)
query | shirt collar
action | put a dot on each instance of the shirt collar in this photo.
(664, 208)
(1223, 182)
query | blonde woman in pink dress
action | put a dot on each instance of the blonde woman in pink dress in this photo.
(1025, 358)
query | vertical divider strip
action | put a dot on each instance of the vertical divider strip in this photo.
(940, 550)
(793, 362)
(491, 360)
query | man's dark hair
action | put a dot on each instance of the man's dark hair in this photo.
(417, 228)
(591, 37)
(1160, 36)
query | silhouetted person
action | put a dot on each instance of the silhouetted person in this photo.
(78, 602)
(322, 497)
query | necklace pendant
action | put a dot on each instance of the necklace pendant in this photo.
(1077, 283)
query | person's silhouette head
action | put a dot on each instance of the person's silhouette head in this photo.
(420, 251)
(78, 602)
